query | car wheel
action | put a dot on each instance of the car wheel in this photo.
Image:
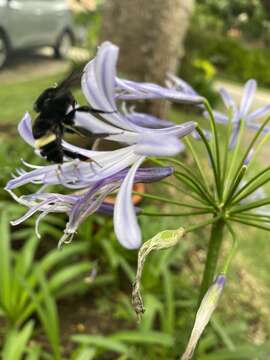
(63, 46)
(3, 51)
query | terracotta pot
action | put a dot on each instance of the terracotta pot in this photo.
(136, 199)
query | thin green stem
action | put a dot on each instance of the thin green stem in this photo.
(197, 161)
(236, 198)
(191, 213)
(257, 134)
(249, 223)
(193, 196)
(201, 224)
(230, 176)
(226, 151)
(189, 176)
(255, 217)
(216, 144)
(195, 186)
(161, 199)
(212, 256)
(252, 205)
(258, 148)
(161, 161)
(210, 154)
(234, 186)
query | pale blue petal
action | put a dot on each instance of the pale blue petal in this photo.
(259, 113)
(227, 99)
(150, 145)
(98, 84)
(219, 117)
(146, 120)
(78, 172)
(132, 90)
(94, 125)
(181, 84)
(247, 98)
(25, 130)
(126, 226)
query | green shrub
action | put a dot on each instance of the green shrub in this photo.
(229, 56)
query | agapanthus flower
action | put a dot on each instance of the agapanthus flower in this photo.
(242, 112)
(204, 314)
(79, 205)
(107, 170)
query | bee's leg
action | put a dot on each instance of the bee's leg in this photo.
(69, 118)
(91, 110)
(80, 157)
(96, 144)
(61, 177)
(58, 173)
(77, 169)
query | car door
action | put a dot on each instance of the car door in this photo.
(54, 15)
(23, 16)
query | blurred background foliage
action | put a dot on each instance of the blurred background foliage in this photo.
(75, 303)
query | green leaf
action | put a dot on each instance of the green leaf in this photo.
(102, 342)
(47, 312)
(83, 353)
(67, 274)
(169, 313)
(147, 337)
(5, 263)
(16, 341)
(56, 256)
(153, 306)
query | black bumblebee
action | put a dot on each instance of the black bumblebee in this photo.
(54, 119)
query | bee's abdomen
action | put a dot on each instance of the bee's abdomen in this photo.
(53, 151)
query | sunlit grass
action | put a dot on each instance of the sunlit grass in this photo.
(18, 97)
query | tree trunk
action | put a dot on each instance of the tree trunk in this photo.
(150, 35)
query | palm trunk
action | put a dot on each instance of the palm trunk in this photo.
(150, 35)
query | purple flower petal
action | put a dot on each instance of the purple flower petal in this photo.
(234, 136)
(108, 209)
(176, 130)
(257, 127)
(146, 120)
(219, 117)
(259, 113)
(181, 85)
(126, 226)
(150, 145)
(79, 172)
(25, 130)
(98, 82)
(92, 124)
(227, 99)
(247, 98)
(152, 91)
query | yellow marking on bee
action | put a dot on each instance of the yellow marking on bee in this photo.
(44, 140)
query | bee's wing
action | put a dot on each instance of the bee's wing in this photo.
(72, 80)
(84, 132)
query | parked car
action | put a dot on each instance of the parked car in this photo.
(35, 23)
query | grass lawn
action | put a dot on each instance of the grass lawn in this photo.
(18, 97)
